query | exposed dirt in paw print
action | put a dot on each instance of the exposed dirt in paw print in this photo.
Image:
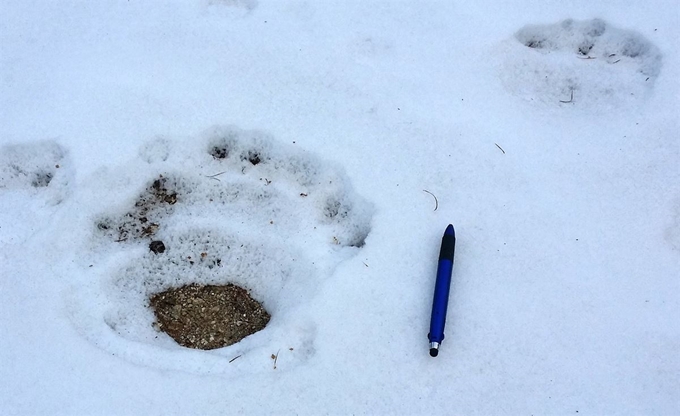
(41, 179)
(141, 222)
(252, 157)
(208, 317)
(219, 152)
(157, 247)
(160, 192)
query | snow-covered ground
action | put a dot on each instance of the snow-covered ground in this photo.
(547, 131)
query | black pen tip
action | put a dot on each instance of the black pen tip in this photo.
(433, 352)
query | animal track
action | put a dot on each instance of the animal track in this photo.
(238, 209)
(580, 63)
(33, 176)
(33, 165)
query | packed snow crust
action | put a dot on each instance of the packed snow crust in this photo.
(346, 136)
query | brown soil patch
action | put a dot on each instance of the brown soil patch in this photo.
(142, 221)
(208, 317)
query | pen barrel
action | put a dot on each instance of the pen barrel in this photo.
(442, 288)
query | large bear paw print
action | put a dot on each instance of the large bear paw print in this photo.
(221, 246)
(580, 63)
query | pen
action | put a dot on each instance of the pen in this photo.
(441, 290)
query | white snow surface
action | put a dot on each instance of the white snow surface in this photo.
(548, 132)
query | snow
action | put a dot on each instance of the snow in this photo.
(564, 192)
(621, 65)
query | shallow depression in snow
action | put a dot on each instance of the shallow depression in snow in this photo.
(580, 63)
(35, 166)
(35, 178)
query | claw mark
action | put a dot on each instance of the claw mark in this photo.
(436, 202)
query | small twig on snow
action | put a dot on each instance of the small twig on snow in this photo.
(215, 176)
(436, 202)
(611, 56)
(276, 357)
(571, 99)
(500, 148)
(234, 359)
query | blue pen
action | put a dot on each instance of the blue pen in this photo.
(441, 290)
